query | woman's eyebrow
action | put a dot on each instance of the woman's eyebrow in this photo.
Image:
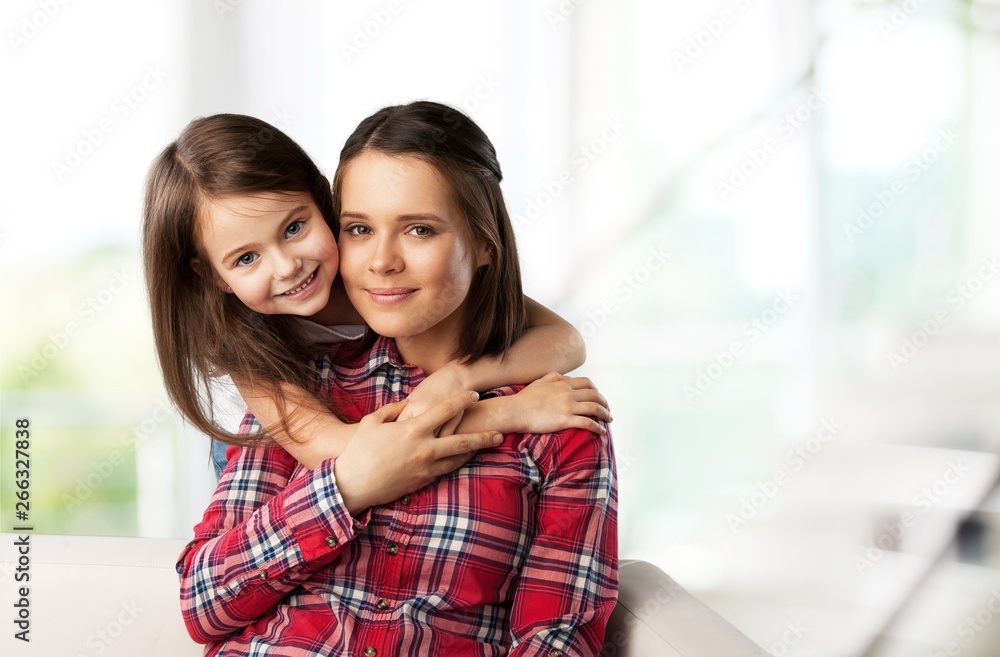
(416, 216)
(421, 216)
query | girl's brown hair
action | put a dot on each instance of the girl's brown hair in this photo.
(199, 330)
(461, 152)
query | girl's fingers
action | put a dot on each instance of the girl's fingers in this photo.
(580, 382)
(590, 395)
(586, 423)
(592, 409)
(435, 416)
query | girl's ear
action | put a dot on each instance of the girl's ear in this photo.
(200, 270)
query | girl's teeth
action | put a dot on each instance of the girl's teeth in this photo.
(301, 287)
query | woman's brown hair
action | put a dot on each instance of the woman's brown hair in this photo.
(200, 331)
(461, 152)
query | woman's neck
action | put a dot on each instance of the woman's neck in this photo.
(429, 354)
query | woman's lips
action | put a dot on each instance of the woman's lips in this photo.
(387, 296)
(303, 288)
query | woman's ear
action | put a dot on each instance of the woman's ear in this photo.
(200, 270)
(484, 257)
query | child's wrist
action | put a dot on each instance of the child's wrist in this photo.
(505, 416)
(458, 376)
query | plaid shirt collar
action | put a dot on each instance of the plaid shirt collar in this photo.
(383, 358)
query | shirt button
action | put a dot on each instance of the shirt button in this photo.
(370, 651)
(330, 541)
(405, 500)
(555, 652)
(392, 548)
(262, 575)
(382, 605)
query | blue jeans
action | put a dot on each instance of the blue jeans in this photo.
(219, 456)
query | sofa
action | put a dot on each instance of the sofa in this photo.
(111, 596)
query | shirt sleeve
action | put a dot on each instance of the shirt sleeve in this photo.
(569, 583)
(266, 530)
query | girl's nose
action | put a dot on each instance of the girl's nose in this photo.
(285, 264)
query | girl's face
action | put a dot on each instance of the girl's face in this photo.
(406, 255)
(273, 251)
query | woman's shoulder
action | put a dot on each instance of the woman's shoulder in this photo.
(570, 449)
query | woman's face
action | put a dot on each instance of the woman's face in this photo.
(406, 255)
(273, 251)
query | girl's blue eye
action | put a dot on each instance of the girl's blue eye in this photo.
(246, 259)
(294, 228)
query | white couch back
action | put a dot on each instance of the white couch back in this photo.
(95, 596)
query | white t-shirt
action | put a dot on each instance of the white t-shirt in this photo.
(228, 407)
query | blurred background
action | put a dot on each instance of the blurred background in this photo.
(774, 221)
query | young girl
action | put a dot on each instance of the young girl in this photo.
(514, 553)
(241, 265)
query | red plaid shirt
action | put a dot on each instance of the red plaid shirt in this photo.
(513, 553)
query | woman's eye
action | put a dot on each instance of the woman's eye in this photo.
(356, 229)
(422, 231)
(294, 228)
(246, 259)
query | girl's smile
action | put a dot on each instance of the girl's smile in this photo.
(297, 292)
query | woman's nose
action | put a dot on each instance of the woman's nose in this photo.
(385, 257)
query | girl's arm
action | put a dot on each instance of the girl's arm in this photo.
(552, 402)
(311, 432)
(550, 344)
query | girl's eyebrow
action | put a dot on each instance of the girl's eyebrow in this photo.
(245, 247)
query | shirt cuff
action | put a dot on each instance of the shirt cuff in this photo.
(317, 516)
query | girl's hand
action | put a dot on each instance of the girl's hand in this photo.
(435, 388)
(387, 458)
(556, 402)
